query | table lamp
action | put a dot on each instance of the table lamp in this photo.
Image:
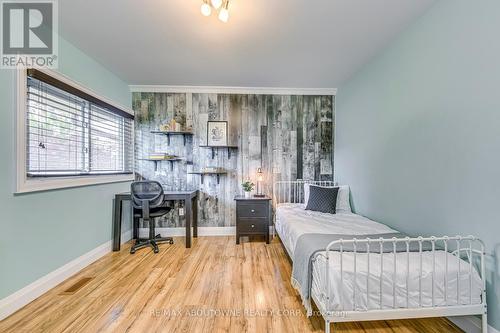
(260, 178)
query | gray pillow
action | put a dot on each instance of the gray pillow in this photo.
(322, 199)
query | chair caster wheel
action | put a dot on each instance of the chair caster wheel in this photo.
(171, 242)
(132, 251)
(156, 251)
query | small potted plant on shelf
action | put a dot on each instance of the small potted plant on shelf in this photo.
(247, 188)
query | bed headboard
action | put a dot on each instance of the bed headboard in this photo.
(292, 191)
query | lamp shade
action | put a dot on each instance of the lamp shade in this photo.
(224, 15)
(260, 176)
(206, 10)
(216, 3)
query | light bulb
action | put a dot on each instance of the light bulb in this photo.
(259, 175)
(216, 3)
(205, 9)
(224, 15)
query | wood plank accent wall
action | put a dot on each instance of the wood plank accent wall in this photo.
(289, 136)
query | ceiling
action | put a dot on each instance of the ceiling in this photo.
(266, 43)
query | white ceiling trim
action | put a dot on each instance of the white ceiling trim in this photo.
(233, 90)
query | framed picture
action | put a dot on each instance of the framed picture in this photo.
(217, 133)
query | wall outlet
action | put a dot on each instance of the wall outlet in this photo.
(181, 211)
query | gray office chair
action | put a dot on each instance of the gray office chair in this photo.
(147, 198)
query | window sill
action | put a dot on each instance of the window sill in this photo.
(44, 184)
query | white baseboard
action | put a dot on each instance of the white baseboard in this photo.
(202, 231)
(20, 298)
(470, 324)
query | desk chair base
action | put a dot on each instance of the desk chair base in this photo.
(141, 243)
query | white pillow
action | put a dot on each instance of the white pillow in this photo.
(343, 204)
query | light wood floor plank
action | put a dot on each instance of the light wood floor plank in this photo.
(216, 286)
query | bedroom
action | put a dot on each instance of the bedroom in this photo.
(344, 119)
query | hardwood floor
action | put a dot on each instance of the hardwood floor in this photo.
(187, 290)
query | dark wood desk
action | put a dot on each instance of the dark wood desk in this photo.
(190, 199)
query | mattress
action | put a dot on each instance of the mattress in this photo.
(292, 221)
(412, 287)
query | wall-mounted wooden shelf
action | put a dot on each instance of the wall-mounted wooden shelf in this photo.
(220, 147)
(169, 133)
(171, 160)
(204, 173)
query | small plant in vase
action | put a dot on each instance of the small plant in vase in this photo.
(248, 188)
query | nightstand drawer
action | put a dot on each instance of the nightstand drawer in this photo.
(252, 209)
(255, 225)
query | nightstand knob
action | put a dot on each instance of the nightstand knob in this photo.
(253, 210)
(253, 225)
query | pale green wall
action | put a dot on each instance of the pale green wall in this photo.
(418, 130)
(40, 232)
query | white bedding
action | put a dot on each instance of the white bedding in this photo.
(292, 221)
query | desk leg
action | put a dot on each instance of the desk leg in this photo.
(117, 223)
(135, 222)
(195, 216)
(187, 208)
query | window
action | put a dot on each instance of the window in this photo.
(70, 133)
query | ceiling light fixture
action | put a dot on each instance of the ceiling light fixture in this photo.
(220, 6)
(216, 3)
(224, 12)
(206, 10)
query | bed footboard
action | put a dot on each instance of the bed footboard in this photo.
(469, 249)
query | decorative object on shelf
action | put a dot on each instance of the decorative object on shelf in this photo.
(164, 127)
(162, 156)
(222, 6)
(175, 126)
(248, 188)
(212, 169)
(171, 126)
(260, 178)
(158, 157)
(217, 133)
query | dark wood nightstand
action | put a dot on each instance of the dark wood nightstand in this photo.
(253, 217)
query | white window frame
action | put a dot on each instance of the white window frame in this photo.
(25, 184)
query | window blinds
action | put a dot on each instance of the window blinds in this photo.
(69, 135)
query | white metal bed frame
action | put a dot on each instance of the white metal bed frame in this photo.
(473, 252)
